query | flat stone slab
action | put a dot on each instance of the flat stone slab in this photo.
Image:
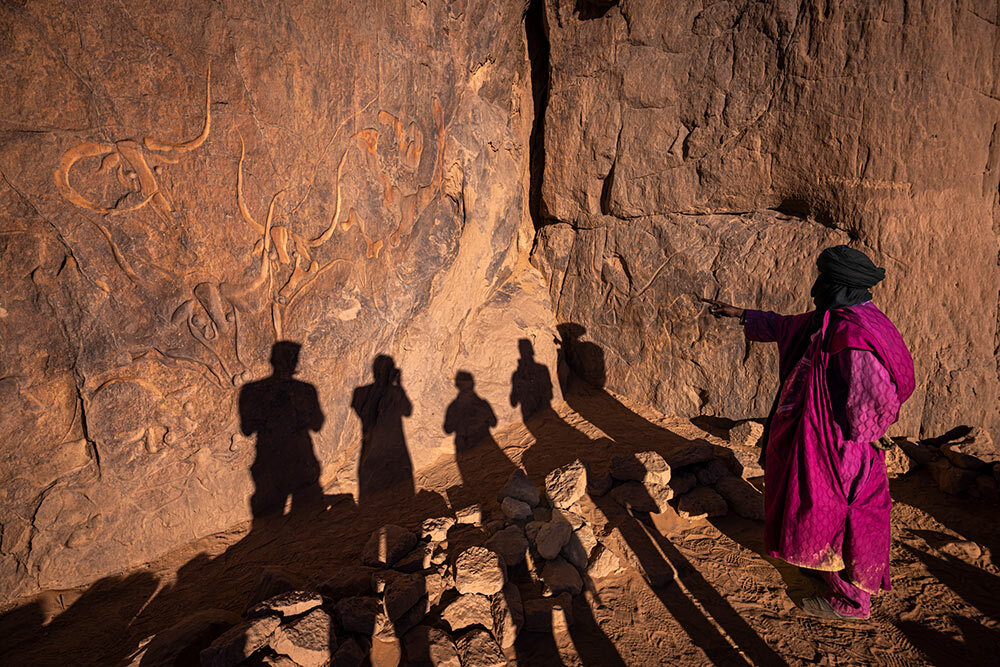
(468, 610)
(603, 563)
(566, 485)
(290, 603)
(479, 570)
(701, 502)
(239, 643)
(436, 529)
(648, 467)
(309, 640)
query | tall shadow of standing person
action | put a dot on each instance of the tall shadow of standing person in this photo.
(281, 411)
(530, 385)
(479, 457)
(531, 390)
(664, 565)
(385, 460)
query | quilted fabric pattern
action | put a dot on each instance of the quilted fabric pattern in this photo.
(872, 403)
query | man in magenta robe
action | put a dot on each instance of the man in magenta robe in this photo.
(844, 373)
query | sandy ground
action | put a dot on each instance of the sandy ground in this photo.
(728, 604)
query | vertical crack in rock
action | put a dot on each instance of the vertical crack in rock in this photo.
(536, 34)
(24, 559)
(84, 429)
(609, 180)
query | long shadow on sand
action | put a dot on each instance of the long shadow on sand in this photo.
(627, 431)
(977, 587)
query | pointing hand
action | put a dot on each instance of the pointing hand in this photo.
(720, 309)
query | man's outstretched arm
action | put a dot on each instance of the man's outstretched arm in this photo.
(759, 325)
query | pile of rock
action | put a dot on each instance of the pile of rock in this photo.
(406, 604)
(698, 480)
(457, 590)
(426, 595)
(967, 465)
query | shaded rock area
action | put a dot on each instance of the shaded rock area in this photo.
(644, 579)
(471, 607)
(384, 615)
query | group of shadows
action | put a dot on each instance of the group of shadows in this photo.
(297, 527)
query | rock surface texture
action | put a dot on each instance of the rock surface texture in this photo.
(423, 194)
(712, 150)
(183, 185)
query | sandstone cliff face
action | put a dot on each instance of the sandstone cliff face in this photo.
(711, 150)
(184, 184)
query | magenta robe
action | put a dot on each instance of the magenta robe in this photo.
(826, 496)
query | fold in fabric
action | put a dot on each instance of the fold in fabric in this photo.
(826, 492)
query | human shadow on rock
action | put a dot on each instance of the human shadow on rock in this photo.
(584, 390)
(531, 391)
(556, 443)
(659, 559)
(679, 585)
(111, 619)
(478, 455)
(281, 412)
(385, 459)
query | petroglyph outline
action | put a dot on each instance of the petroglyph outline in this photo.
(221, 302)
(409, 143)
(128, 152)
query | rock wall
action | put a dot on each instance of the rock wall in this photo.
(712, 149)
(182, 185)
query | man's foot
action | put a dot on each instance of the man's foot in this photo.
(817, 607)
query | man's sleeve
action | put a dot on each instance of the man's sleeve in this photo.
(872, 402)
(764, 326)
